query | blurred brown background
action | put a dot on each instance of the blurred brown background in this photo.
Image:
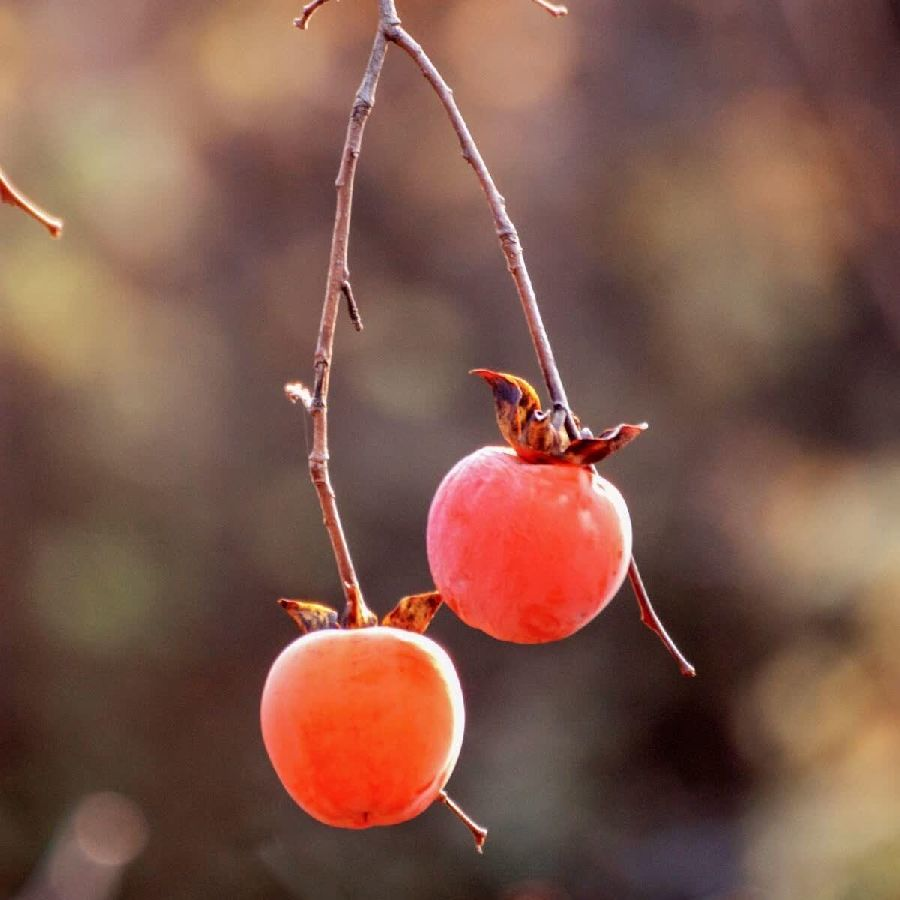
(708, 197)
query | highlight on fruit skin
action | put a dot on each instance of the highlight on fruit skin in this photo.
(363, 726)
(526, 553)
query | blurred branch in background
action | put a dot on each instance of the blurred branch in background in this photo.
(851, 78)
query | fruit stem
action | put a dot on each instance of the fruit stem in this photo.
(652, 621)
(478, 832)
(14, 197)
(356, 613)
(506, 230)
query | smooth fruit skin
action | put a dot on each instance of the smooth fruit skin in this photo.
(363, 726)
(527, 553)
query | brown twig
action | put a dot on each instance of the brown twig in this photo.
(555, 9)
(515, 261)
(302, 21)
(356, 612)
(479, 833)
(506, 231)
(14, 197)
(352, 308)
(652, 621)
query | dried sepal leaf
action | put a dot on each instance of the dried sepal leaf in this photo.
(540, 436)
(587, 451)
(310, 616)
(536, 435)
(414, 612)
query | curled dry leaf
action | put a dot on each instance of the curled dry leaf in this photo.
(587, 451)
(540, 436)
(414, 612)
(310, 616)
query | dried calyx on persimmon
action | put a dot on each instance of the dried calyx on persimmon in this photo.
(539, 436)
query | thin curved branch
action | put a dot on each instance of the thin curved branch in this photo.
(14, 197)
(651, 620)
(506, 231)
(338, 286)
(302, 21)
(555, 9)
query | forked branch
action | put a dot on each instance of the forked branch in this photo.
(302, 21)
(14, 197)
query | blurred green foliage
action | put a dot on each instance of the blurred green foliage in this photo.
(708, 197)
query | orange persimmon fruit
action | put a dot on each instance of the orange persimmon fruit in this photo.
(363, 726)
(526, 552)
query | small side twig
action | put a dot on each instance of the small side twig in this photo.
(352, 308)
(555, 9)
(506, 231)
(652, 620)
(302, 21)
(14, 197)
(479, 833)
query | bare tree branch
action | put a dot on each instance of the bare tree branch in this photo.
(14, 197)
(506, 231)
(356, 612)
(555, 9)
(302, 21)
(652, 621)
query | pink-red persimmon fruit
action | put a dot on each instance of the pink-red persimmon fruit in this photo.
(363, 726)
(526, 552)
